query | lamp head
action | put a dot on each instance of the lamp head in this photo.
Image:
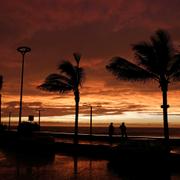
(23, 49)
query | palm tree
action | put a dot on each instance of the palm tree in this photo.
(69, 78)
(1, 85)
(155, 60)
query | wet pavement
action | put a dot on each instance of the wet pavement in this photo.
(53, 168)
(62, 167)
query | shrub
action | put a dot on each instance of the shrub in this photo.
(26, 128)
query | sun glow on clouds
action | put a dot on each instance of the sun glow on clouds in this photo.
(136, 109)
(99, 30)
(112, 101)
(132, 119)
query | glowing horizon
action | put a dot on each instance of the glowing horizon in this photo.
(132, 119)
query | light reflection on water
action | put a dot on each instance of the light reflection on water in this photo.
(175, 150)
(58, 166)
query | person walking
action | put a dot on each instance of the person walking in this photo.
(123, 131)
(111, 132)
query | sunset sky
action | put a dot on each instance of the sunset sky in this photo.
(99, 30)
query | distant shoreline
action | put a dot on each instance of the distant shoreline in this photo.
(131, 131)
(97, 124)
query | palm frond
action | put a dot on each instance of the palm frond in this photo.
(77, 57)
(126, 70)
(67, 68)
(174, 68)
(69, 78)
(146, 57)
(78, 79)
(56, 83)
(81, 76)
(156, 55)
(163, 48)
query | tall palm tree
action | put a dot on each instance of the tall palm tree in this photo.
(1, 85)
(69, 78)
(155, 60)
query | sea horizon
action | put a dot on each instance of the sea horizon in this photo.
(131, 120)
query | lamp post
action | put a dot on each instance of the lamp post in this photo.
(9, 124)
(39, 116)
(90, 115)
(23, 50)
(90, 130)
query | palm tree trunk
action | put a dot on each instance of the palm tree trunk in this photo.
(165, 115)
(164, 88)
(76, 116)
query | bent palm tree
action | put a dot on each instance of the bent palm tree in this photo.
(156, 60)
(1, 84)
(69, 78)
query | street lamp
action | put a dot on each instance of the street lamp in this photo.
(90, 122)
(90, 130)
(91, 114)
(39, 116)
(23, 50)
(9, 124)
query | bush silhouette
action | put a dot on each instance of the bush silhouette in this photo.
(26, 128)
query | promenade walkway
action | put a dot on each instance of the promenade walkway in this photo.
(104, 138)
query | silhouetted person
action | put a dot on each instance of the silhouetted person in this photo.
(111, 132)
(123, 131)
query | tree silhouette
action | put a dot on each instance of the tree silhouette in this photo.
(69, 78)
(155, 60)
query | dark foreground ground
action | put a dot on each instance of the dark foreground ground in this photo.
(36, 162)
(58, 166)
(131, 131)
(53, 167)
